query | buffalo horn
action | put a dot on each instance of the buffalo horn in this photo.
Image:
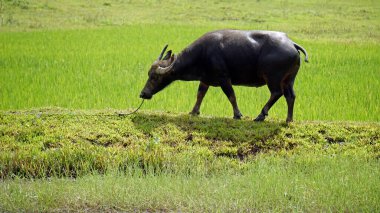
(162, 53)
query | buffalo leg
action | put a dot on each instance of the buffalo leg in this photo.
(275, 95)
(290, 97)
(202, 89)
(229, 91)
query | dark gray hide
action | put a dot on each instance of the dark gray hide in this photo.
(232, 57)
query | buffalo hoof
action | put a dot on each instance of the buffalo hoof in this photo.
(238, 116)
(259, 118)
(289, 120)
(194, 113)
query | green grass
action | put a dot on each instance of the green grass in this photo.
(348, 20)
(271, 184)
(175, 162)
(40, 144)
(107, 68)
(49, 57)
(92, 57)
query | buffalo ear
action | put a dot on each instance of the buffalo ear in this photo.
(172, 58)
(168, 54)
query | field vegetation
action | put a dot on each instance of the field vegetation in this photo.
(57, 159)
(69, 69)
(106, 67)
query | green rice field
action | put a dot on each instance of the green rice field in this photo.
(106, 67)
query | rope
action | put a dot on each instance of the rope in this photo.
(120, 114)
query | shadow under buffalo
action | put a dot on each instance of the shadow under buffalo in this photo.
(212, 128)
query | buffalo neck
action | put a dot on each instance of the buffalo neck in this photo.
(186, 67)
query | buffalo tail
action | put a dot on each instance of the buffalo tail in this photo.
(298, 47)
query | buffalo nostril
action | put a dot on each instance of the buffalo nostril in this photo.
(143, 94)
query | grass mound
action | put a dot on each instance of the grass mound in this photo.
(62, 143)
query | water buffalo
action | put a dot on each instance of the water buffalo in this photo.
(232, 57)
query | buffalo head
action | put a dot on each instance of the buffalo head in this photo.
(160, 74)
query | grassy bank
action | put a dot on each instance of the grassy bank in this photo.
(163, 161)
(74, 143)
